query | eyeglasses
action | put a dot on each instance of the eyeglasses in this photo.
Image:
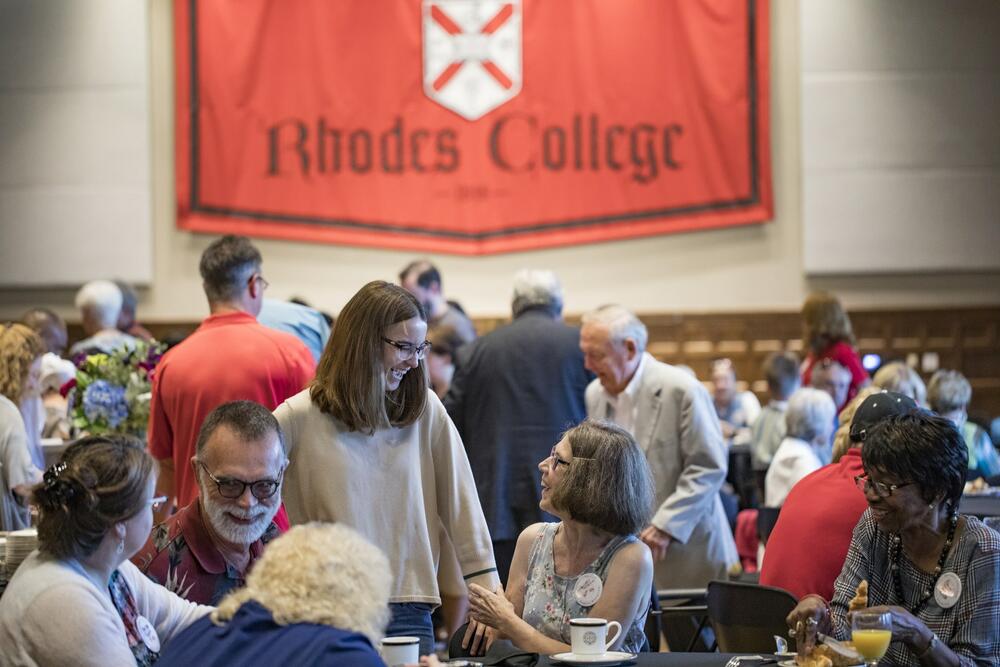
(556, 461)
(263, 281)
(882, 490)
(406, 350)
(230, 488)
(157, 502)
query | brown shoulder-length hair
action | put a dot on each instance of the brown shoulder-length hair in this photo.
(824, 323)
(19, 347)
(607, 484)
(350, 378)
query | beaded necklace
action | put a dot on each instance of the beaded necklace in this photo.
(896, 548)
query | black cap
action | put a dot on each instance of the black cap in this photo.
(877, 407)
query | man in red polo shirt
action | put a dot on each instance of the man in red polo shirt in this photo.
(229, 357)
(207, 548)
(806, 550)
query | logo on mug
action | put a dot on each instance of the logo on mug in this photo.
(589, 637)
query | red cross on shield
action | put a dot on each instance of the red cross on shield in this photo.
(472, 54)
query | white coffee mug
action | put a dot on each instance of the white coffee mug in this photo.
(401, 651)
(589, 635)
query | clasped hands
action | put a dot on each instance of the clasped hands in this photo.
(489, 613)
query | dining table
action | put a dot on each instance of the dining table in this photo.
(981, 505)
(684, 660)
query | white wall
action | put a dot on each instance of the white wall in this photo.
(748, 268)
(75, 190)
(901, 135)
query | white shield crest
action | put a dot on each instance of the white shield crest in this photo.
(472, 54)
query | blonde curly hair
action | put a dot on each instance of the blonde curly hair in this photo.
(320, 573)
(19, 347)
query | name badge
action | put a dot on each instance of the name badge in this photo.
(588, 589)
(947, 590)
(147, 633)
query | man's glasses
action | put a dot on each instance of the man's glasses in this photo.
(882, 490)
(261, 279)
(406, 350)
(232, 489)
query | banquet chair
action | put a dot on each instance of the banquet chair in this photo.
(767, 517)
(746, 617)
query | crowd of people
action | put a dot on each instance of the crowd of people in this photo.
(306, 491)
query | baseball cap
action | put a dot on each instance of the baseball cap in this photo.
(877, 407)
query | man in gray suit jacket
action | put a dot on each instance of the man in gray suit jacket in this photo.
(671, 416)
(515, 391)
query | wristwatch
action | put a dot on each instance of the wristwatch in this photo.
(931, 645)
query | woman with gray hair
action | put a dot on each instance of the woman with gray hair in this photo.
(597, 481)
(319, 595)
(808, 427)
(949, 395)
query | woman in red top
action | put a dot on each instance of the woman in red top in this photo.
(827, 334)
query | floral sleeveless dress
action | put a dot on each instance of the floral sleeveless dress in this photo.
(549, 599)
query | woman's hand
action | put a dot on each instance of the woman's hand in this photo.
(906, 627)
(811, 615)
(489, 608)
(478, 638)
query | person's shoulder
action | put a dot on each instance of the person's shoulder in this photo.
(298, 406)
(634, 555)
(986, 539)
(529, 534)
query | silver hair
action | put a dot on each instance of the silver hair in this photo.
(622, 324)
(102, 300)
(948, 391)
(810, 412)
(537, 288)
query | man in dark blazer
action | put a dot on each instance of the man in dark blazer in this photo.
(515, 391)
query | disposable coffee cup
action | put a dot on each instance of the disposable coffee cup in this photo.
(590, 635)
(398, 651)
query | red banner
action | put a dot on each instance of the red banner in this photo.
(471, 126)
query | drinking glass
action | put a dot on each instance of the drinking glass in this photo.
(871, 633)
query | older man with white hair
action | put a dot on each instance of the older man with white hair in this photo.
(808, 430)
(100, 304)
(514, 392)
(672, 418)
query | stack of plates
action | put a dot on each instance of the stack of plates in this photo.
(20, 543)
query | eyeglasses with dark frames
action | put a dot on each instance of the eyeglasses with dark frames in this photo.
(882, 490)
(231, 488)
(405, 350)
(556, 461)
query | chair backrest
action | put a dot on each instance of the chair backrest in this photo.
(746, 617)
(653, 628)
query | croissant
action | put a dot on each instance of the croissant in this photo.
(860, 600)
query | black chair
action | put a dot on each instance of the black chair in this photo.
(653, 627)
(746, 617)
(766, 518)
(683, 617)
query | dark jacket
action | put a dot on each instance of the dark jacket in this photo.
(515, 391)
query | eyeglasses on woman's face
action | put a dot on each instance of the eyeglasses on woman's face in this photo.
(555, 460)
(881, 489)
(405, 349)
(231, 488)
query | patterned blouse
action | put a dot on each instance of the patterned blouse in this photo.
(971, 628)
(549, 600)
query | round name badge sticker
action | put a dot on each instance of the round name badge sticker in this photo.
(147, 633)
(947, 590)
(588, 589)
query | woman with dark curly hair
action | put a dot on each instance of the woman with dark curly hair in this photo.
(934, 571)
(78, 600)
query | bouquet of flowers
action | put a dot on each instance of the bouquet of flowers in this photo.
(111, 392)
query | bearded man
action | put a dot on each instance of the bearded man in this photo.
(207, 548)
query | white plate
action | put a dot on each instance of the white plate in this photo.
(609, 658)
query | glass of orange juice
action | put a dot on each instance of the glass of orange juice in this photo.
(871, 633)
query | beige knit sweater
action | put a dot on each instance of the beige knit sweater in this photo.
(399, 488)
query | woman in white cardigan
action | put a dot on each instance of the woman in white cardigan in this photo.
(369, 445)
(808, 428)
(78, 600)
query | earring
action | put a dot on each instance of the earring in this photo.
(121, 546)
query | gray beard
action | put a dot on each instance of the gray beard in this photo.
(234, 532)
